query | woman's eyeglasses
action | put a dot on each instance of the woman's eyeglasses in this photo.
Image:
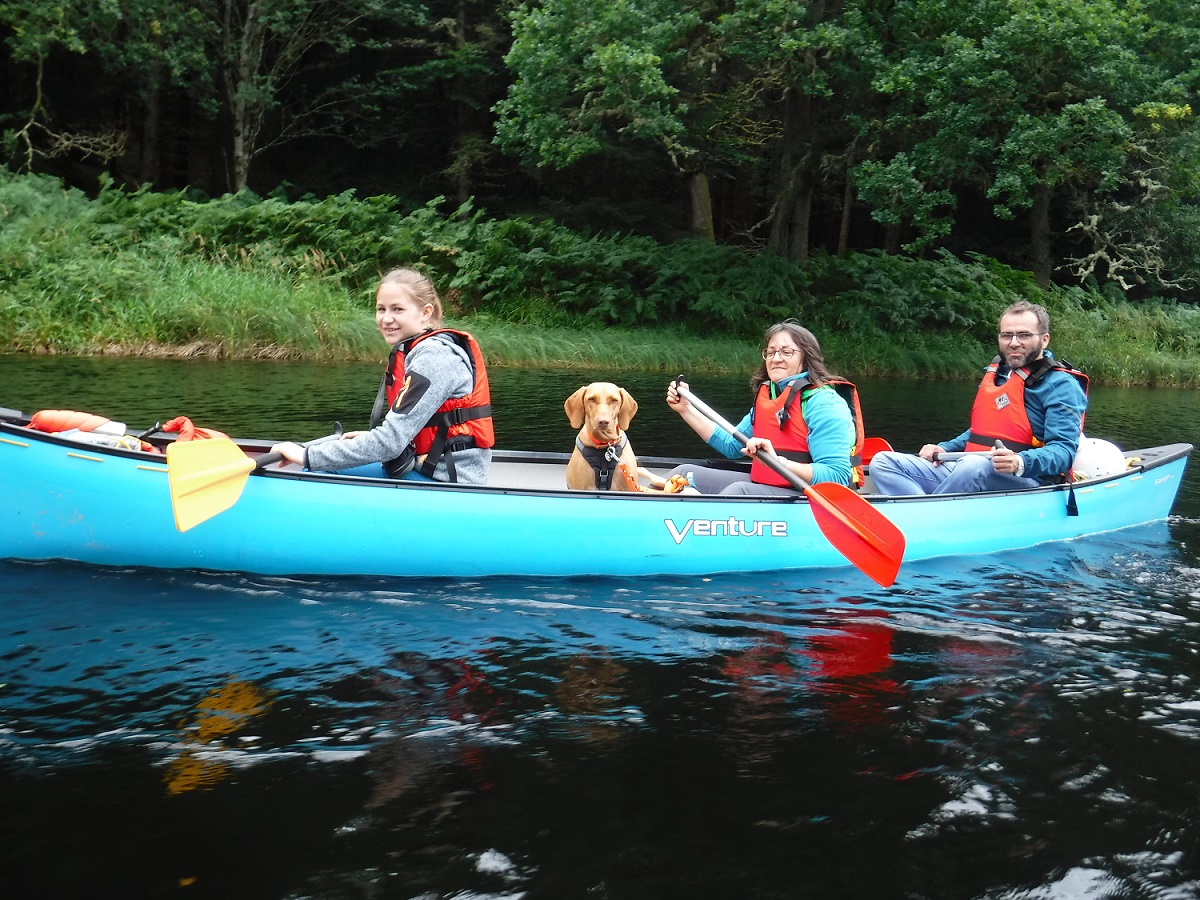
(784, 353)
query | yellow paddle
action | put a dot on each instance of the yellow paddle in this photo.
(207, 477)
(859, 531)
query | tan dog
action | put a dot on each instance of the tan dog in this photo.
(602, 459)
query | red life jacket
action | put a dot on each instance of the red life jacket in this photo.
(999, 412)
(774, 420)
(459, 423)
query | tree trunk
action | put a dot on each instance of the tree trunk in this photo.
(462, 167)
(801, 220)
(701, 222)
(247, 114)
(891, 238)
(843, 244)
(1039, 236)
(150, 164)
(792, 208)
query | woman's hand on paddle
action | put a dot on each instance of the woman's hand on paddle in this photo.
(695, 420)
(676, 402)
(290, 451)
(755, 444)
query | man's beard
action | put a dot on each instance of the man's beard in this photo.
(1024, 358)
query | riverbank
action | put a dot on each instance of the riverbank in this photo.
(1118, 354)
(241, 277)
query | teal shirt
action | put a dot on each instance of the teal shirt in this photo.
(830, 433)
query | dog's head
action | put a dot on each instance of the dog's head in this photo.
(604, 406)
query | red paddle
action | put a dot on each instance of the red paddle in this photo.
(859, 531)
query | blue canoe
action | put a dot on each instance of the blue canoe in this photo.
(63, 499)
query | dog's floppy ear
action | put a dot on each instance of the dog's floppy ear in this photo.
(628, 409)
(574, 407)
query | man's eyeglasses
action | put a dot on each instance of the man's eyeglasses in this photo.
(1023, 336)
(784, 353)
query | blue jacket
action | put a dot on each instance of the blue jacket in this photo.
(1055, 406)
(830, 435)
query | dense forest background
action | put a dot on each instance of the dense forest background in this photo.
(1057, 136)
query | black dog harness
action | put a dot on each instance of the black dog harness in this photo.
(603, 459)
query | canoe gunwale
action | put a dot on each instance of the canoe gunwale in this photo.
(1151, 459)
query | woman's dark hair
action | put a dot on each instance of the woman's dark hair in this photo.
(814, 359)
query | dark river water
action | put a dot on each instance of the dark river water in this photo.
(1024, 726)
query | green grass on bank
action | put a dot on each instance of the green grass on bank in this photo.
(248, 277)
(1118, 352)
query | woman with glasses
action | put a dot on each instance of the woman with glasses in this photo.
(799, 414)
(1025, 423)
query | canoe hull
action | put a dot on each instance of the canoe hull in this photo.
(112, 507)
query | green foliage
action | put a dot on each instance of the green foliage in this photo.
(162, 272)
(1083, 144)
(1155, 343)
(1020, 100)
(35, 28)
(589, 72)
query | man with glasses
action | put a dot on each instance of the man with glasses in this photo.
(1025, 424)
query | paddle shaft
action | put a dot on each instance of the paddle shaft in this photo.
(265, 459)
(769, 458)
(953, 457)
(206, 477)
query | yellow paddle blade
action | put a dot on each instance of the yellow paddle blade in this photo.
(861, 533)
(206, 478)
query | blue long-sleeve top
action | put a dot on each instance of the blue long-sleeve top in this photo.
(1055, 405)
(830, 433)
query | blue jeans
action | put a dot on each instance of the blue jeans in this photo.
(898, 474)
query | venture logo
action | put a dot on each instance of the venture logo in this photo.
(730, 527)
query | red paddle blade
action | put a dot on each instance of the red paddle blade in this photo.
(861, 533)
(871, 446)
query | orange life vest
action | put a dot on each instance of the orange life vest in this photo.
(788, 433)
(54, 420)
(459, 423)
(999, 412)
(191, 432)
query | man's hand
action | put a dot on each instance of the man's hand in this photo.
(931, 453)
(1006, 462)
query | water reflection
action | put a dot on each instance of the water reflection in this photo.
(1009, 726)
(208, 737)
(986, 711)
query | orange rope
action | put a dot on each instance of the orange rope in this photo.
(630, 479)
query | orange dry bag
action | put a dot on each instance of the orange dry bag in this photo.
(52, 420)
